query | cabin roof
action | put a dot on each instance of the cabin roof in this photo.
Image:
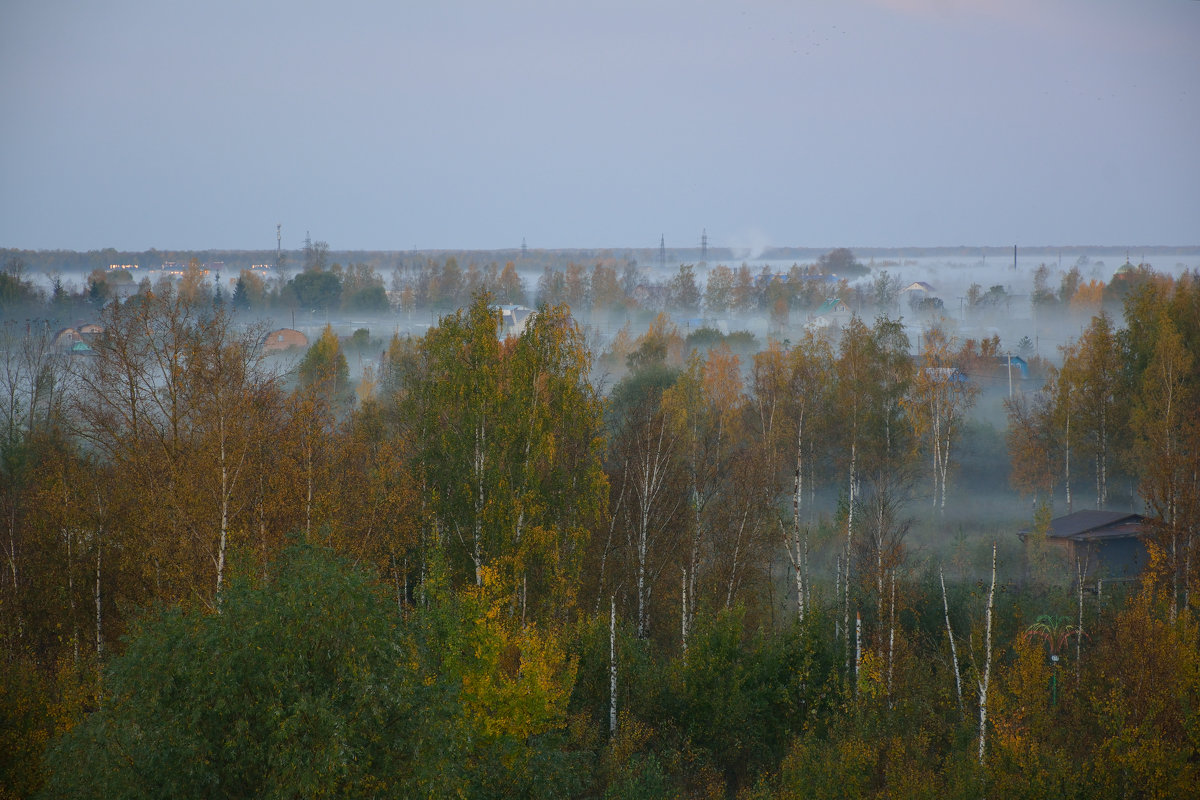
(1092, 525)
(830, 306)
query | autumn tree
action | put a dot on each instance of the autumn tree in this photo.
(174, 399)
(647, 461)
(1095, 370)
(940, 396)
(509, 451)
(718, 291)
(1167, 445)
(682, 290)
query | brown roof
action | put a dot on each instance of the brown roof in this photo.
(1091, 525)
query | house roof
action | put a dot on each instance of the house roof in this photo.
(918, 286)
(831, 305)
(1000, 364)
(1092, 525)
(944, 374)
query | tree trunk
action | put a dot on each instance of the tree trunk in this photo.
(987, 663)
(953, 648)
(683, 609)
(891, 636)
(477, 527)
(612, 669)
(224, 518)
(849, 545)
(1067, 455)
(1079, 627)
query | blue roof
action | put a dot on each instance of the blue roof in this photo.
(830, 305)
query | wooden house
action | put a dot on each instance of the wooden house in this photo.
(284, 339)
(833, 313)
(1106, 544)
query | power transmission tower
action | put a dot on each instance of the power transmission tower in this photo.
(704, 245)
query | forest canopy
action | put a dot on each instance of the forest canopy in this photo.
(738, 569)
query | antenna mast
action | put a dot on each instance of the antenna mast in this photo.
(662, 251)
(278, 242)
(704, 245)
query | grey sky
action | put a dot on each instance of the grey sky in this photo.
(456, 123)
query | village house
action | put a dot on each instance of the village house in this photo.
(513, 319)
(1106, 544)
(833, 313)
(284, 339)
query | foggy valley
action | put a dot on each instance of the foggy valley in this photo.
(619, 401)
(663, 455)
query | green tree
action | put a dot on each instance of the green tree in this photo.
(362, 290)
(841, 262)
(279, 695)
(317, 290)
(682, 291)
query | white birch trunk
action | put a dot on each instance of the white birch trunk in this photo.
(1067, 454)
(99, 613)
(1079, 627)
(857, 647)
(797, 500)
(849, 544)
(891, 635)
(987, 663)
(308, 497)
(224, 517)
(953, 648)
(683, 609)
(737, 548)
(477, 528)
(71, 597)
(612, 669)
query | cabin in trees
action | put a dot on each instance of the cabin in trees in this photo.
(833, 313)
(918, 289)
(284, 339)
(77, 340)
(1107, 544)
(64, 339)
(1000, 373)
(513, 320)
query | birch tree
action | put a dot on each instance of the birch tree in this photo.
(1096, 370)
(940, 396)
(173, 399)
(809, 380)
(646, 443)
(705, 405)
(1167, 448)
(511, 451)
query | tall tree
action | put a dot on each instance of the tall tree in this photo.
(1166, 425)
(940, 396)
(1102, 398)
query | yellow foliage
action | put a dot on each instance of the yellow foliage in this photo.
(872, 676)
(521, 679)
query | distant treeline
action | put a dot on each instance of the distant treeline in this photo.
(50, 261)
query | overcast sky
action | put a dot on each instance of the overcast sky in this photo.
(474, 124)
